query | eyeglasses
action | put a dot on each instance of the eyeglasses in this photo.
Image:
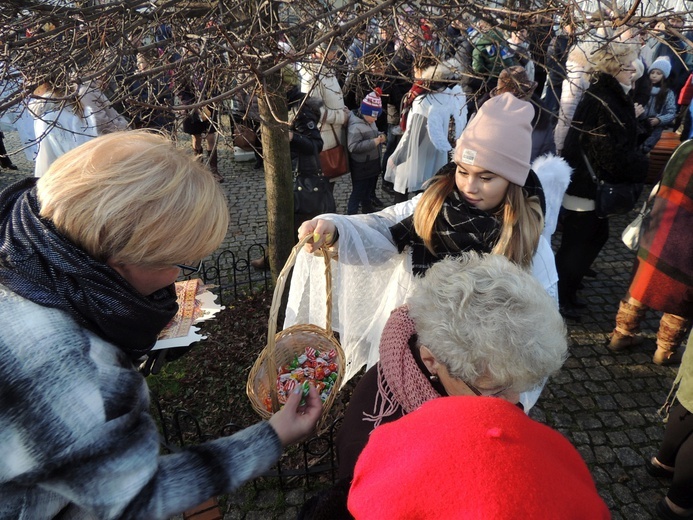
(479, 392)
(187, 270)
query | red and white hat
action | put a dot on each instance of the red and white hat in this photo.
(372, 105)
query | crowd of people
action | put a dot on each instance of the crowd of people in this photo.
(488, 137)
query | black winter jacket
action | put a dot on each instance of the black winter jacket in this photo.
(306, 143)
(605, 128)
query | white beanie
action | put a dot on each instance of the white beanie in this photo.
(499, 138)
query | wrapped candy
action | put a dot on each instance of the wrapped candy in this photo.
(310, 368)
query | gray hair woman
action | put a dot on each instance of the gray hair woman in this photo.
(475, 325)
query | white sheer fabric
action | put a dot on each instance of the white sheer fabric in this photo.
(60, 126)
(370, 279)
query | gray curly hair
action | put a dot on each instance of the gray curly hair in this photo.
(482, 315)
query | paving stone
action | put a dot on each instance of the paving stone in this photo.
(267, 498)
(625, 401)
(622, 494)
(618, 438)
(295, 497)
(597, 437)
(628, 456)
(606, 402)
(610, 419)
(604, 454)
(637, 436)
(632, 417)
(580, 437)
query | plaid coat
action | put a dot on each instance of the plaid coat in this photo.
(664, 277)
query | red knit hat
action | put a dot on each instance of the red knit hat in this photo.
(472, 458)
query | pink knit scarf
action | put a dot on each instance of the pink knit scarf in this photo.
(400, 381)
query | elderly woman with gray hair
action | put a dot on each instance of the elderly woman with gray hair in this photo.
(455, 337)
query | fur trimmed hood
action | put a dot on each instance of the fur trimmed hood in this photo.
(446, 70)
(554, 174)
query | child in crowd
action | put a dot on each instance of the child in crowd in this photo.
(660, 110)
(364, 142)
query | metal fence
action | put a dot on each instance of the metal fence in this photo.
(233, 276)
(313, 459)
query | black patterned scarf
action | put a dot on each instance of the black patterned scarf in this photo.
(459, 227)
(39, 264)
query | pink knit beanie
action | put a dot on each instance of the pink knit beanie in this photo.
(499, 138)
(473, 458)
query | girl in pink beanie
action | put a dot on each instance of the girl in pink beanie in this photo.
(488, 200)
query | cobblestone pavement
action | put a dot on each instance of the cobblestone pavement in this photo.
(604, 403)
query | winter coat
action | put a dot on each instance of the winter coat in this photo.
(666, 114)
(675, 49)
(59, 126)
(370, 263)
(77, 439)
(306, 143)
(364, 153)
(323, 85)
(557, 58)
(491, 54)
(664, 278)
(578, 67)
(605, 129)
(424, 147)
(683, 385)
(397, 83)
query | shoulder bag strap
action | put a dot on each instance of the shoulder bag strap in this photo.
(589, 167)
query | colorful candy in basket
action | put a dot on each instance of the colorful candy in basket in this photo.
(311, 367)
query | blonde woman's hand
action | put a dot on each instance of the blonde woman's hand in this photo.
(323, 231)
(294, 423)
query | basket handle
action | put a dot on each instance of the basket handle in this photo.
(274, 312)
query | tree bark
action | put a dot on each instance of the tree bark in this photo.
(278, 173)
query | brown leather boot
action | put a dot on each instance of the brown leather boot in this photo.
(672, 331)
(630, 314)
(212, 164)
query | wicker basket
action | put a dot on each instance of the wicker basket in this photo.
(282, 347)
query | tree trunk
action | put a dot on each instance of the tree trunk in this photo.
(278, 173)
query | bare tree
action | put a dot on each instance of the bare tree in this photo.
(232, 47)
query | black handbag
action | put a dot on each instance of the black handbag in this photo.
(613, 199)
(312, 195)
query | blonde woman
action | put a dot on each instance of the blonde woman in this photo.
(89, 255)
(487, 200)
(603, 137)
